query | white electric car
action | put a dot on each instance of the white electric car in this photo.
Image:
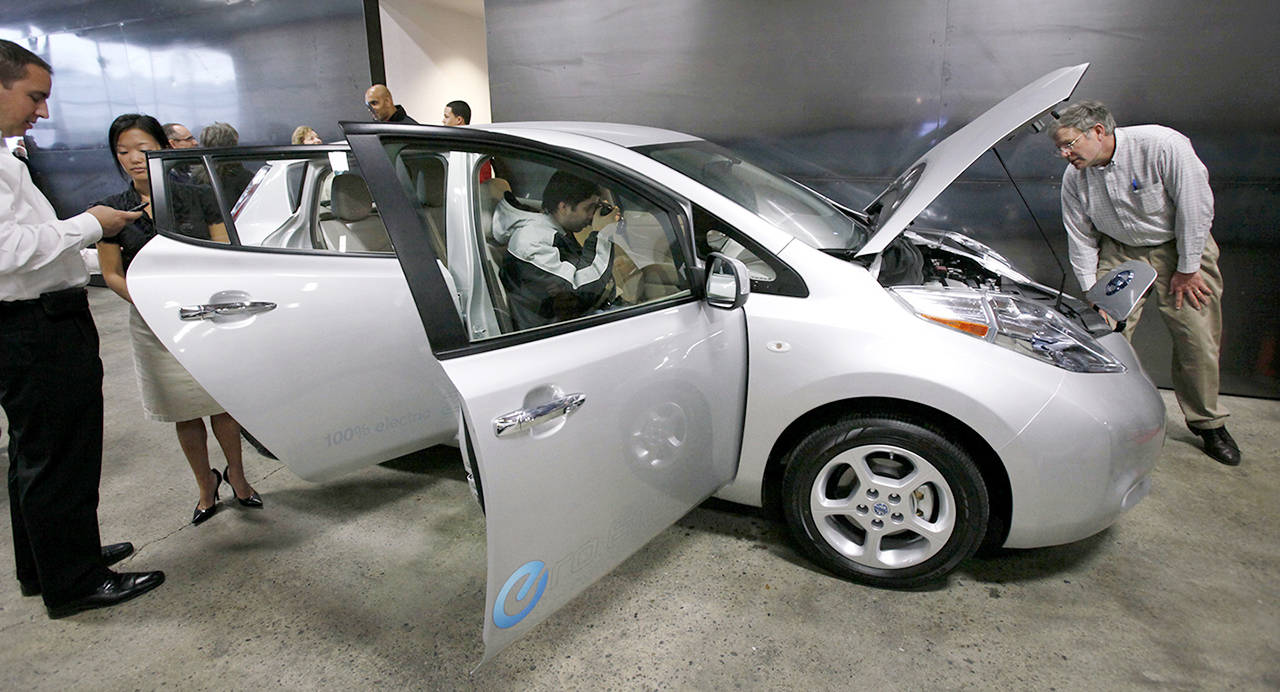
(900, 396)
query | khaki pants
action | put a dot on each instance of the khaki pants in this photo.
(1196, 334)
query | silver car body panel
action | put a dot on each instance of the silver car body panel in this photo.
(1031, 413)
(627, 136)
(1086, 456)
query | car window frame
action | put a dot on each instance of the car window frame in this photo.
(210, 158)
(786, 282)
(446, 331)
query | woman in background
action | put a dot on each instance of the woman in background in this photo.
(169, 393)
(305, 135)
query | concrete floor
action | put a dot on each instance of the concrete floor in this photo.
(377, 579)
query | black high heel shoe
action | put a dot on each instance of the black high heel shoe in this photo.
(254, 500)
(203, 515)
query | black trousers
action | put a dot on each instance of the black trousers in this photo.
(51, 391)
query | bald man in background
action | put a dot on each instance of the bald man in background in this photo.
(384, 109)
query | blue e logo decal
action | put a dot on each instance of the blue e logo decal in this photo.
(530, 572)
(1119, 282)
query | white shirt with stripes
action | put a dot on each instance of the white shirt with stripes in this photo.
(1154, 190)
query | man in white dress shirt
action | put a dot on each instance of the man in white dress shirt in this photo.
(50, 374)
(1141, 193)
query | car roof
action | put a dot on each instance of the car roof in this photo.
(629, 136)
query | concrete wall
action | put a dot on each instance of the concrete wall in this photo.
(435, 52)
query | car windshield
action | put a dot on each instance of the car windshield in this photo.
(778, 200)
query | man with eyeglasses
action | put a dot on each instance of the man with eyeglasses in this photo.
(1140, 192)
(179, 136)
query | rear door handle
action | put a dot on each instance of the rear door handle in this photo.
(518, 421)
(192, 313)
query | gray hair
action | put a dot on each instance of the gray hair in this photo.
(219, 134)
(1083, 115)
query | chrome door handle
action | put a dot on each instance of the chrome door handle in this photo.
(509, 424)
(210, 310)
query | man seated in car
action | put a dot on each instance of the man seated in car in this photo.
(548, 274)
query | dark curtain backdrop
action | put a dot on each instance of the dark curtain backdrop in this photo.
(843, 94)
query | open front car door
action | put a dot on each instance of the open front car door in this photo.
(602, 397)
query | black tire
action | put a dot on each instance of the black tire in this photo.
(926, 527)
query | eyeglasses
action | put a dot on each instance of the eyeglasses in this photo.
(1066, 148)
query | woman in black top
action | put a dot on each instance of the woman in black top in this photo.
(169, 393)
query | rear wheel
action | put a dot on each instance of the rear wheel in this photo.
(883, 500)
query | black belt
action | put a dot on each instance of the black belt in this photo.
(54, 303)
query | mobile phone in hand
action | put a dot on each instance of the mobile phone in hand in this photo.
(140, 207)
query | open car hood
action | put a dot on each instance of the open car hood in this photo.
(924, 180)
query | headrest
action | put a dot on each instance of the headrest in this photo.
(350, 199)
(430, 188)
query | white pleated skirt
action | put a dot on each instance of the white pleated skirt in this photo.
(169, 393)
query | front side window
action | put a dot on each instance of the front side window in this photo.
(562, 243)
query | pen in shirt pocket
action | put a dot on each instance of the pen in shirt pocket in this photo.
(1136, 185)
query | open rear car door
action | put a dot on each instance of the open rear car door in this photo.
(301, 327)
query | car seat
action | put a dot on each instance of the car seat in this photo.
(355, 227)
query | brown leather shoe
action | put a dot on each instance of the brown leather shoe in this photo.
(1219, 444)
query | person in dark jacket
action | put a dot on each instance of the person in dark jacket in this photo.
(168, 391)
(549, 276)
(384, 109)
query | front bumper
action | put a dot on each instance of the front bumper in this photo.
(1087, 455)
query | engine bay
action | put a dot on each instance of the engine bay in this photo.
(945, 260)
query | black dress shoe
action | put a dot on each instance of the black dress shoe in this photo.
(254, 500)
(202, 515)
(111, 554)
(1219, 445)
(117, 588)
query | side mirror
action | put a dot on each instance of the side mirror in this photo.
(1118, 291)
(728, 282)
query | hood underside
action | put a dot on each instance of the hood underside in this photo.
(913, 191)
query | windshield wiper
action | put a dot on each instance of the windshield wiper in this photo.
(861, 217)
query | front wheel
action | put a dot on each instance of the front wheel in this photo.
(883, 500)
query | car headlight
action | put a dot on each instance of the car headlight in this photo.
(1012, 322)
